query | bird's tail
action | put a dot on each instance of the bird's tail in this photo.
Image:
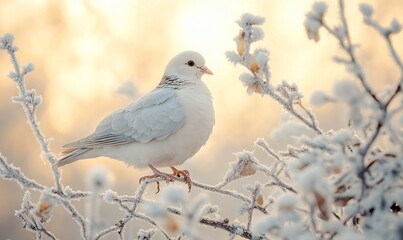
(70, 155)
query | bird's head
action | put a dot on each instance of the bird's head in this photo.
(188, 64)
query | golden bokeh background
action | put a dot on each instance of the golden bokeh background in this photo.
(84, 50)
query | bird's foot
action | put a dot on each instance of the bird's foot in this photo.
(158, 174)
(185, 174)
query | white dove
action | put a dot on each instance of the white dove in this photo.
(164, 128)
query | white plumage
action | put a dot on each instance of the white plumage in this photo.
(163, 128)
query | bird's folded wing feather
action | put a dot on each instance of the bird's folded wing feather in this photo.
(155, 116)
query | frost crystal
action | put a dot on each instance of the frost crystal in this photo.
(248, 19)
(239, 231)
(262, 57)
(318, 98)
(29, 68)
(12, 75)
(313, 20)
(261, 142)
(43, 209)
(319, 8)
(174, 194)
(68, 191)
(233, 57)
(155, 209)
(250, 81)
(287, 202)
(98, 178)
(247, 79)
(287, 128)
(265, 224)
(310, 177)
(395, 26)
(398, 197)
(312, 27)
(127, 89)
(350, 235)
(7, 40)
(110, 196)
(366, 10)
(146, 234)
(244, 166)
(342, 136)
(257, 34)
(25, 204)
(346, 91)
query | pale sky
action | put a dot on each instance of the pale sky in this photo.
(83, 50)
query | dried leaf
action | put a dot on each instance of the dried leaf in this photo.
(248, 170)
(260, 200)
(372, 163)
(44, 207)
(341, 189)
(286, 208)
(391, 155)
(337, 169)
(322, 205)
(254, 88)
(240, 43)
(303, 166)
(314, 35)
(253, 65)
(342, 201)
(171, 225)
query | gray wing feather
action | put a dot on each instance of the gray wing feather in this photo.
(155, 116)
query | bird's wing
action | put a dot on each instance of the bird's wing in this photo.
(155, 116)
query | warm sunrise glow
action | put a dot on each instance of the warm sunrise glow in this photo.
(94, 57)
(201, 26)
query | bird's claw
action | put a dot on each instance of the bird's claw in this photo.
(166, 176)
(185, 174)
(169, 177)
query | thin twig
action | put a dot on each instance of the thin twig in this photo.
(29, 109)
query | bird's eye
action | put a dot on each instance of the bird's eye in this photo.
(191, 63)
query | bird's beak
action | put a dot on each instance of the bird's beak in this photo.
(205, 70)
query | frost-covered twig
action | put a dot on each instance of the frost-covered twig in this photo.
(152, 222)
(336, 177)
(395, 28)
(76, 216)
(341, 33)
(119, 226)
(34, 216)
(29, 101)
(224, 224)
(8, 171)
(247, 165)
(255, 194)
(258, 78)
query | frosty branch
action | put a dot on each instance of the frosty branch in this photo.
(29, 101)
(258, 78)
(336, 184)
(337, 176)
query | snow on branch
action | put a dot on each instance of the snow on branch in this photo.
(258, 77)
(338, 183)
